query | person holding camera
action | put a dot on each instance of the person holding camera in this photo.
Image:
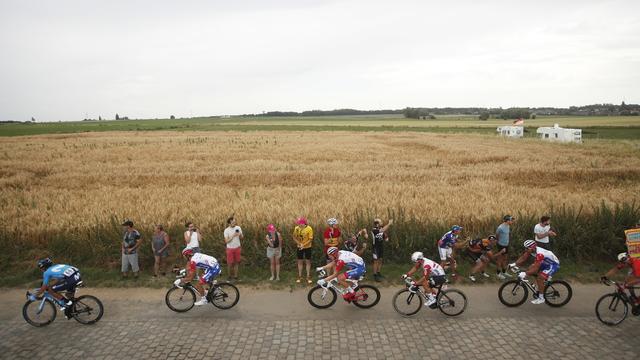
(542, 232)
(192, 237)
(232, 236)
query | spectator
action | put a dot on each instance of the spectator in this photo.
(354, 244)
(130, 242)
(331, 238)
(542, 232)
(160, 247)
(380, 236)
(192, 237)
(232, 236)
(303, 236)
(274, 251)
(502, 247)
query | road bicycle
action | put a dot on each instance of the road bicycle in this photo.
(613, 308)
(324, 296)
(408, 301)
(513, 293)
(222, 295)
(41, 311)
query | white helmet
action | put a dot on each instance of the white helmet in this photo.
(416, 256)
(332, 250)
(332, 221)
(622, 257)
(529, 244)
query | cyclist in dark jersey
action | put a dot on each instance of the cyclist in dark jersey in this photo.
(480, 252)
(378, 239)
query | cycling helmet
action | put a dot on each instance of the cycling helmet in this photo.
(492, 237)
(301, 221)
(456, 228)
(416, 256)
(529, 244)
(44, 263)
(332, 221)
(332, 250)
(187, 252)
(622, 257)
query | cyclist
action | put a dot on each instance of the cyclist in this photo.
(633, 277)
(340, 258)
(433, 275)
(57, 278)
(355, 245)
(480, 252)
(446, 244)
(546, 264)
(199, 261)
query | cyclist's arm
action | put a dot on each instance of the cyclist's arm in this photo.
(614, 270)
(191, 274)
(413, 270)
(521, 260)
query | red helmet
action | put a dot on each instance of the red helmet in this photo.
(187, 252)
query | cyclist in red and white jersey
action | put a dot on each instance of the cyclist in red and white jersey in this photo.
(633, 276)
(546, 264)
(199, 261)
(431, 270)
(339, 259)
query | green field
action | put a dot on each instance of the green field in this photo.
(614, 127)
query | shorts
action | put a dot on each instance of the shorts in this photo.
(209, 273)
(437, 280)
(378, 251)
(164, 253)
(548, 269)
(445, 253)
(274, 252)
(233, 255)
(69, 283)
(304, 254)
(356, 273)
(130, 260)
(500, 247)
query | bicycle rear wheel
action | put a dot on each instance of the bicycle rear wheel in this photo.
(557, 293)
(224, 295)
(513, 293)
(611, 309)
(407, 303)
(321, 298)
(366, 296)
(180, 299)
(39, 313)
(452, 302)
(87, 309)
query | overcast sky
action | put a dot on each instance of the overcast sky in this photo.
(64, 60)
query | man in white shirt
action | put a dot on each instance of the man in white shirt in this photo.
(232, 236)
(542, 231)
(192, 237)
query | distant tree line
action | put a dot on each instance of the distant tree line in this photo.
(336, 112)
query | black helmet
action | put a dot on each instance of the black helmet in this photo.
(44, 263)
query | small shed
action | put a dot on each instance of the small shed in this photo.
(511, 131)
(557, 133)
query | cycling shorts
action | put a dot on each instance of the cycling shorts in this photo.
(355, 273)
(547, 269)
(445, 253)
(378, 251)
(69, 283)
(209, 273)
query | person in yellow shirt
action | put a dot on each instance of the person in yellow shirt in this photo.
(303, 236)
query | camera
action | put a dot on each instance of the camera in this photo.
(237, 230)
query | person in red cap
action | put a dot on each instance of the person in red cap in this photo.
(303, 236)
(274, 251)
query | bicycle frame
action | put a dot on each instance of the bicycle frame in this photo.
(408, 281)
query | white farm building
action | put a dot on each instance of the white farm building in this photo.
(556, 133)
(511, 131)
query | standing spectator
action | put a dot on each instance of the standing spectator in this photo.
(379, 238)
(130, 242)
(160, 247)
(232, 236)
(331, 239)
(502, 247)
(542, 231)
(274, 251)
(303, 236)
(446, 245)
(354, 244)
(192, 237)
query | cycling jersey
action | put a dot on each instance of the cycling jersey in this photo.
(448, 240)
(333, 234)
(549, 263)
(208, 263)
(633, 263)
(379, 236)
(431, 268)
(479, 245)
(354, 263)
(60, 272)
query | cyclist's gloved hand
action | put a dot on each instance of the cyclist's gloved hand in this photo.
(322, 282)
(604, 279)
(32, 297)
(318, 269)
(512, 265)
(404, 276)
(522, 275)
(177, 283)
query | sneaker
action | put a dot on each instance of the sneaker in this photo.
(271, 278)
(472, 278)
(298, 280)
(277, 278)
(431, 301)
(348, 297)
(202, 301)
(309, 281)
(501, 276)
(538, 300)
(486, 275)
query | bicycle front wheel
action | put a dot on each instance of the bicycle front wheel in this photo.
(224, 295)
(513, 293)
(180, 299)
(407, 303)
(557, 293)
(452, 302)
(321, 298)
(366, 296)
(87, 309)
(39, 313)
(611, 309)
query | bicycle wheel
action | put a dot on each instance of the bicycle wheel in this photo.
(224, 295)
(452, 302)
(407, 303)
(321, 298)
(180, 299)
(87, 309)
(367, 296)
(611, 309)
(557, 293)
(39, 313)
(513, 293)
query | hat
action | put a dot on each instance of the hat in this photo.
(301, 221)
(271, 228)
(127, 223)
(508, 218)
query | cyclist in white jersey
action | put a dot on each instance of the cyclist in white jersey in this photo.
(199, 261)
(432, 275)
(340, 258)
(545, 265)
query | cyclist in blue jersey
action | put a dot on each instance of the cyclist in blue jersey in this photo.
(339, 259)
(446, 244)
(57, 278)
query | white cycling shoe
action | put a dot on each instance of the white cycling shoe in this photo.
(202, 301)
(431, 301)
(538, 300)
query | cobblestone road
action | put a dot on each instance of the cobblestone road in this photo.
(138, 325)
